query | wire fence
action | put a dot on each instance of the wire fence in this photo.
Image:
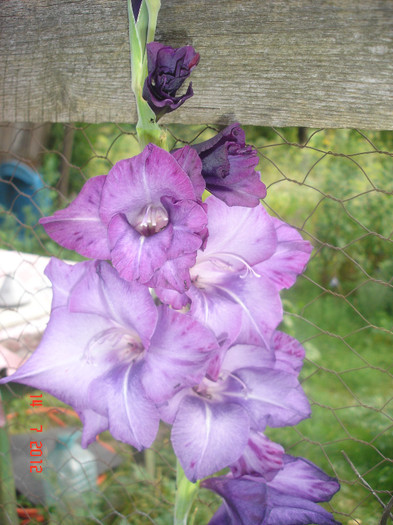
(335, 187)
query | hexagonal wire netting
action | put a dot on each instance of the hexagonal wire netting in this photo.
(335, 187)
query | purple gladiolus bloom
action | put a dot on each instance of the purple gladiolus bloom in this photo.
(168, 68)
(111, 354)
(249, 256)
(142, 214)
(228, 167)
(290, 498)
(214, 423)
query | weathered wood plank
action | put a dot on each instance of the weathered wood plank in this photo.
(276, 62)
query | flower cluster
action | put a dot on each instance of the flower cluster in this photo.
(175, 316)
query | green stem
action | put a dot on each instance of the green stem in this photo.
(185, 495)
(141, 32)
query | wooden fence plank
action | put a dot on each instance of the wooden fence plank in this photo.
(271, 62)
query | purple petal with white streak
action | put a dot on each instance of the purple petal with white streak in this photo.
(207, 437)
(119, 396)
(103, 292)
(133, 183)
(237, 233)
(303, 479)
(134, 256)
(289, 353)
(190, 162)
(79, 227)
(178, 355)
(290, 258)
(271, 397)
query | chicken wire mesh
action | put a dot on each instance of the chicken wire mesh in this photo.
(335, 187)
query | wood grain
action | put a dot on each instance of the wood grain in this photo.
(269, 63)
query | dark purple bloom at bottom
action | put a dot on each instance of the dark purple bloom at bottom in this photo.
(290, 498)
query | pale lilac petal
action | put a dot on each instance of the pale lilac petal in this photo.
(176, 299)
(303, 479)
(271, 397)
(143, 179)
(255, 299)
(178, 355)
(60, 364)
(212, 308)
(93, 424)
(190, 162)
(187, 218)
(79, 227)
(104, 293)
(64, 277)
(248, 356)
(245, 502)
(289, 353)
(207, 437)
(238, 236)
(119, 396)
(172, 280)
(290, 258)
(134, 256)
(260, 457)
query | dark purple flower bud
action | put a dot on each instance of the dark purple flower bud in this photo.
(168, 68)
(228, 167)
(136, 5)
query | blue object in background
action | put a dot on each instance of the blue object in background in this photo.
(22, 192)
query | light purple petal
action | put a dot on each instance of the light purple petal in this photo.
(290, 258)
(134, 256)
(79, 227)
(172, 279)
(93, 424)
(119, 396)
(238, 236)
(104, 293)
(176, 299)
(260, 457)
(248, 356)
(207, 437)
(190, 162)
(289, 353)
(60, 365)
(187, 218)
(271, 397)
(178, 356)
(255, 299)
(212, 308)
(133, 183)
(303, 479)
(64, 277)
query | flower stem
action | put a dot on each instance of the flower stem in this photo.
(185, 495)
(141, 31)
